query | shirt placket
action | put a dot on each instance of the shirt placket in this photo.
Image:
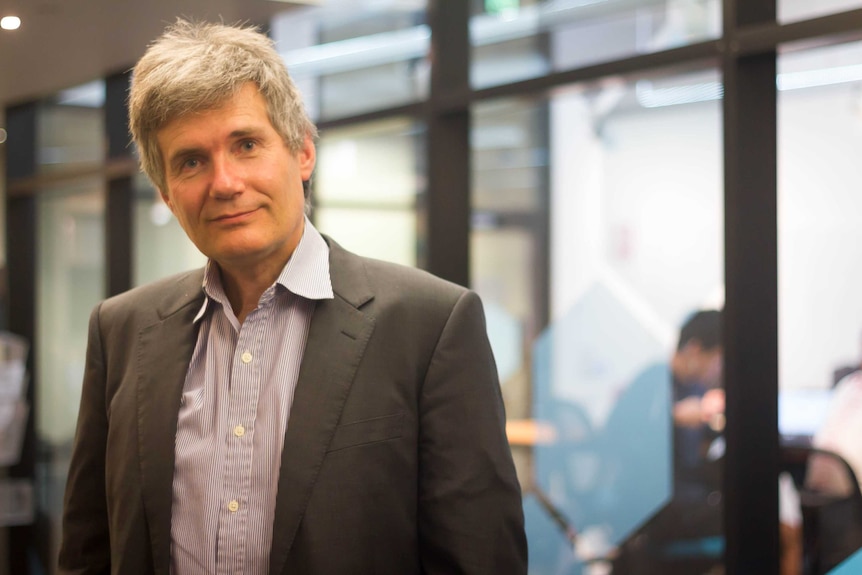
(245, 382)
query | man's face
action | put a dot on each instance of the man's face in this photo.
(702, 365)
(233, 184)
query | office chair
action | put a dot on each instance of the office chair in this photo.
(831, 504)
(683, 538)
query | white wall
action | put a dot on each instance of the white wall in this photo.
(820, 239)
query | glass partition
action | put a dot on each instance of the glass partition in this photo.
(350, 57)
(509, 191)
(70, 281)
(69, 145)
(520, 39)
(820, 313)
(367, 186)
(71, 129)
(793, 10)
(616, 412)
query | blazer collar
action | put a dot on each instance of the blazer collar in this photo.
(185, 289)
(349, 276)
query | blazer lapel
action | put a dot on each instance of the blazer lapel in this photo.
(164, 352)
(337, 338)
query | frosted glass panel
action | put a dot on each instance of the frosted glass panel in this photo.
(349, 57)
(367, 186)
(616, 477)
(820, 312)
(529, 38)
(70, 282)
(792, 10)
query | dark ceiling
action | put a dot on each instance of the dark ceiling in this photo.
(63, 43)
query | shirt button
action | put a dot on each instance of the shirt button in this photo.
(246, 357)
(239, 430)
(233, 506)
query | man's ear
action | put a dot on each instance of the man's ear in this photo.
(307, 156)
(167, 200)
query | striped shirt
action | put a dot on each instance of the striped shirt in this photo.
(233, 416)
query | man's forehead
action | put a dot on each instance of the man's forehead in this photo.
(247, 92)
(239, 114)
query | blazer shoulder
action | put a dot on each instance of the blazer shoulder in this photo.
(386, 274)
(359, 278)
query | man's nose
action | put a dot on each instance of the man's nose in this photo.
(227, 179)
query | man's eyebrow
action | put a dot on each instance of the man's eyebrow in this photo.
(245, 132)
(182, 154)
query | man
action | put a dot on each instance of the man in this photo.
(685, 536)
(293, 408)
(642, 436)
(665, 421)
(698, 408)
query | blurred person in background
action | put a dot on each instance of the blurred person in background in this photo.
(694, 512)
(698, 403)
(677, 405)
(840, 433)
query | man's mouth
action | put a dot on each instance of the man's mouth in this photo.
(233, 216)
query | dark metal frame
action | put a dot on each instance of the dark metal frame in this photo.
(751, 295)
(120, 200)
(21, 273)
(745, 54)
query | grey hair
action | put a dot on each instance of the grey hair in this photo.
(195, 66)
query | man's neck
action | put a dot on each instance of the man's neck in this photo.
(243, 287)
(244, 279)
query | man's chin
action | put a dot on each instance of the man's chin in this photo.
(248, 255)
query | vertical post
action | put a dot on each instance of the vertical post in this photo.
(21, 123)
(449, 142)
(119, 208)
(751, 309)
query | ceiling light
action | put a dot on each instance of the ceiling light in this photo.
(10, 22)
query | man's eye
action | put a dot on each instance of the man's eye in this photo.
(191, 163)
(248, 145)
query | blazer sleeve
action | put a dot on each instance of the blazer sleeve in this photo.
(470, 515)
(85, 544)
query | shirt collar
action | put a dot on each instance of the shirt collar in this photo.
(306, 273)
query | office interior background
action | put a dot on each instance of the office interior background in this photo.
(595, 170)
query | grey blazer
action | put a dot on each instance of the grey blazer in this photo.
(395, 460)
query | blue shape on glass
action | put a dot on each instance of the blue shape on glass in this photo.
(548, 548)
(850, 566)
(636, 449)
(598, 382)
